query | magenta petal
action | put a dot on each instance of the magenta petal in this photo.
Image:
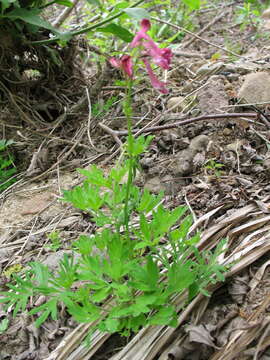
(115, 62)
(161, 57)
(159, 85)
(167, 54)
(141, 34)
(126, 64)
(145, 25)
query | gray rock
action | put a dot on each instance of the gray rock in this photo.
(177, 104)
(256, 88)
(154, 185)
(183, 165)
(266, 165)
(214, 96)
(199, 143)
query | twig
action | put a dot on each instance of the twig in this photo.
(190, 208)
(238, 157)
(64, 14)
(111, 132)
(179, 28)
(89, 119)
(264, 117)
(159, 118)
(260, 135)
(215, 20)
(190, 121)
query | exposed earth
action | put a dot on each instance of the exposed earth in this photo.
(211, 152)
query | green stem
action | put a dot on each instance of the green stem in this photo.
(130, 139)
(87, 29)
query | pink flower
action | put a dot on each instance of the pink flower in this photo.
(161, 57)
(141, 34)
(125, 64)
(159, 85)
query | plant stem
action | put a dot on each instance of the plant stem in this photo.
(130, 140)
(84, 30)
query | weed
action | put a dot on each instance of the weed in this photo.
(129, 271)
(248, 14)
(214, 167)
(3, 325)
(55, 239)
(99, 110)
(7, 167)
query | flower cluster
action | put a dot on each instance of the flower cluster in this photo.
(160, 57)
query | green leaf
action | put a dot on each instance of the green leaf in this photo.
(84, 197)
(137, 13)
(165, 316)
(123, 291)
(42, 274)
(31, 17)
(118, 31)
(94, 2)
(141, 245)
(3, 325)
(148, 201)
(138, 146)
(5, 4)
(112, 325)
(117, 174)
(152, 271)
(145, 229)
(193, 4)
(66, 3)
(100, 295)
(84, 314)
(5, 143)
(146, 299)
(145, 278)
(50, 308)
(95, 176)
(84, 244)
(180, 277)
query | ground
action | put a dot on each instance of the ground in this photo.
(210, 152)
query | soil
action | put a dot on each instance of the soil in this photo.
(218, 165)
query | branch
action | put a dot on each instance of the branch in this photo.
(190, 121)
(85, 30)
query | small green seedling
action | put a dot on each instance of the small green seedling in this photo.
(214, 167)
(7, 167)
(3, 325)
(55, 239)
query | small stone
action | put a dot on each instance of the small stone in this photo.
(236, 146)
(266, 14)
(154, 185)
(233, 77)
(176, 104)
(227, 131)
(255, 89)
(199, 143)
(266, 25)
(184, 163)
(211, 68)
(213, 96)
(266, 165)
(37, 203)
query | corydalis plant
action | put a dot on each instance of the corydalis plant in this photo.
(149, 49)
